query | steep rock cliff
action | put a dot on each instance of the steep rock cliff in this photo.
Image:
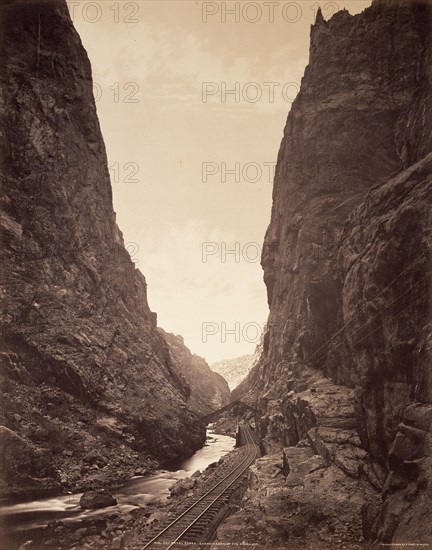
(84, 366)
(347, 258)
(209, 390)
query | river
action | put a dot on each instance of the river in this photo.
(134, 493)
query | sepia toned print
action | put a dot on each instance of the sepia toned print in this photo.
(215, 275)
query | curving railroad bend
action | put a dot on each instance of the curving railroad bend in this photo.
(190, 525)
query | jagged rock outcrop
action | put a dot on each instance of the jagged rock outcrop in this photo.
(234, 370)
(209, 390)
(346, 260)
(83, 363)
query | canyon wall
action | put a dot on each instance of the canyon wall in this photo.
(209, 390)
(345, 371)
(90, 389)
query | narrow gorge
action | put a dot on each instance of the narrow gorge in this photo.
(334, 417)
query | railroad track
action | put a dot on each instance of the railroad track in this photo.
(191, 524)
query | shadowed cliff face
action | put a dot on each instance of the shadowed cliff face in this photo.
(339, 141)
(347, 260)
(209, 391)
(83, 363)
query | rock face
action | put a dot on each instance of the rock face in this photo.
(83, 363)
(346, 363)
(281, 509)
(209, 391)
(234, 370)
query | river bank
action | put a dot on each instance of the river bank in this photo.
(59, 522)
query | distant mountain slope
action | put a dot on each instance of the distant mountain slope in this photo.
(208, 390)
(234, 370)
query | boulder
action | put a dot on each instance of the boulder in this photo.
(97, 499)
(182, 486)
(94, 457)
(117, 543)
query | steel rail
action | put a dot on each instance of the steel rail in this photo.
(250, 457)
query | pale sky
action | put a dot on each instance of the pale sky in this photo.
(192, 163)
